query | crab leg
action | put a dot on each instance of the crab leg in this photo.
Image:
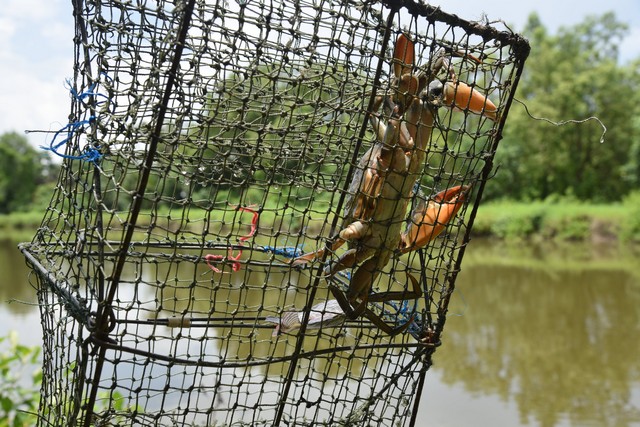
(348, 302)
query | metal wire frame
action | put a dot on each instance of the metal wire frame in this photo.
(88, 257)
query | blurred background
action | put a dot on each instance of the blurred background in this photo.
(544, 328)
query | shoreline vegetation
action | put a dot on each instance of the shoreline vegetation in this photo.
(561, 220)
(550, 220)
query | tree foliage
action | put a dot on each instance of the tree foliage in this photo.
(283, 127)
(574, 74)
(18, 393)
(23, 169)
(257, 129)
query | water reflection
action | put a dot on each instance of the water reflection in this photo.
(557, 335)
(551, 333)
(241, 364)
(13, 280)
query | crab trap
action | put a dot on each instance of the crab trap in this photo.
(262, 208)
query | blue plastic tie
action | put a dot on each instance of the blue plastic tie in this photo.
(286, 251)
(91, 153)
(89, 92)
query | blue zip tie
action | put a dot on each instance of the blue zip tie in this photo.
(286, 251)
(89, 92)
(90, 154)
(403, 315)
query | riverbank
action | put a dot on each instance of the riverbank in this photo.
(20, 226)
(561, 221)
(557, 220)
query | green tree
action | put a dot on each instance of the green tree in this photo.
(22, 170)
(572, 75)
(631, 170)
(272, 123)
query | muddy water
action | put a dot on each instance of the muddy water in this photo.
(538, 335)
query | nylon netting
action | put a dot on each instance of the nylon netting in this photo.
(211, 143)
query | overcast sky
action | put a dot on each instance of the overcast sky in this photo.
(36, 49)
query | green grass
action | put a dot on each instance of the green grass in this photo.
(563, 221)
(552, 220)
(20, 226)
(21, 220)
(553, 255)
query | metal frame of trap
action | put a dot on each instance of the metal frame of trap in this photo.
(92, 328)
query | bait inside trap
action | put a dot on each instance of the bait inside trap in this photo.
(210, 146)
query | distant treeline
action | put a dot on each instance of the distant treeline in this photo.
(571, 75)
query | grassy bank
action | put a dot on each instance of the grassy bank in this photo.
(561, 220)
(554, 220)
(20, 226)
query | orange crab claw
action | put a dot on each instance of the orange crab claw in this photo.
(403, 56)
(407, 83)
(461, 96)
(427, 222)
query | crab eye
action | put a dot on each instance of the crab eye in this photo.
(435, 90)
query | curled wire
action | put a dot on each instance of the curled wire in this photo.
(564, 122)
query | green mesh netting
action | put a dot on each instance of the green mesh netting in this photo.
(209, 144)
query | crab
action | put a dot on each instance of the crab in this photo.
(384, 181)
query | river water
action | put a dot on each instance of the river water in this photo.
(537, 335)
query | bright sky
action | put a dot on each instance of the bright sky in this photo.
(36, 49)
